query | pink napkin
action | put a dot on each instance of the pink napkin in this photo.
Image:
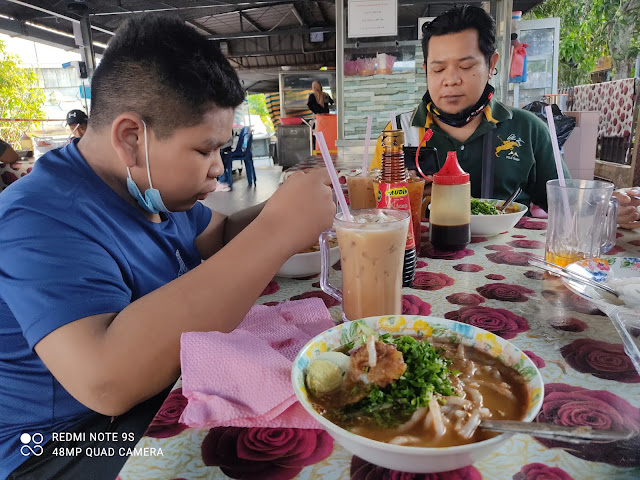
(243, 378)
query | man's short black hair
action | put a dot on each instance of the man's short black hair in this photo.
(458, 19)
(166, 72)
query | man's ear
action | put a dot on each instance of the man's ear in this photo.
(493, 61)
(127, 138)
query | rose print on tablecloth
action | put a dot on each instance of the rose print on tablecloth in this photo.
(616, 250)
(495, 276)
(465, 299)
(508, 258)
(271, 288)
(413, 305)
(564, 298)
(531, 244)
(468, 267)
(505, 292)
(166, 422)
(540, 471)
(264, 453)
(431, 281)
(534, 274)
(495, 320)
(499, 248)
(363, 470)
(328, 300)
(430, 252)
(577, 406)
(479, 239)
(421, 264)
(537, 361)
(600, 359)
(568, 324)
(528, 224)
(8, 178)
(519, 236)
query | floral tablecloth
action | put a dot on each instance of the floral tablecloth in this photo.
(588, 378)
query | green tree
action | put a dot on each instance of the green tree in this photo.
(590, 29)
(20, 96)
(258, 106)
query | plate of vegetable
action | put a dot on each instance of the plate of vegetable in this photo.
(408, 392)
(487, 220)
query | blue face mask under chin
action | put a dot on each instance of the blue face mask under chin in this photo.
(152, 201)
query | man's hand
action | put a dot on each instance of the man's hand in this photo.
(628, 215)
(301, 209)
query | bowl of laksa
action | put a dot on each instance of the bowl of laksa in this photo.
(408, 392)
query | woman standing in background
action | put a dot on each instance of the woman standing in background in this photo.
(319, 101)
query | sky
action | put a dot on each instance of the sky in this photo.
(32, 53)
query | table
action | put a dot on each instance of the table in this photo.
(588, 378)
(10, 172)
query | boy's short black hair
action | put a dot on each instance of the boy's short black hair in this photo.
(166, 72)
(458, 19)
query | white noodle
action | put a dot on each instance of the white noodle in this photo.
(428, 420)
(503, 389)
(458, 401)
(485, 412)
(460, 414)
(434, 408)
(415, 418)
(475, 395)
(404, 439)
(460, 352)
(470, 427)
(371, 348)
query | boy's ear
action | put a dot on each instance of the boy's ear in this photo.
(127, 138)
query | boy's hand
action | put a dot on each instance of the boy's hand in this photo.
(628, 215)
(301, 209)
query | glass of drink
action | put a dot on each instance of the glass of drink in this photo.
(371, 257)
(582, 220)
(361, 194)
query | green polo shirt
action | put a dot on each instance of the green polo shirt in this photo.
(523, 151)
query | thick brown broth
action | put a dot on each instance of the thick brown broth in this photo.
(477, 370)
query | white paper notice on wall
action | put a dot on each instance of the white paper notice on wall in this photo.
(372, 18)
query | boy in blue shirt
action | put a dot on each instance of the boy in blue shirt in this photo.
(101, 265)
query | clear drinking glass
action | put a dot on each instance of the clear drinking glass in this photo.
(371, 258)
(582, 220)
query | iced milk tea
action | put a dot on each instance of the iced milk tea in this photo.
(371, 255)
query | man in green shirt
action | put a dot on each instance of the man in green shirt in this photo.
(460, 58)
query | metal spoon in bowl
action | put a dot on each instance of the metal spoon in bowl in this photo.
(557, 432)
(509, 200)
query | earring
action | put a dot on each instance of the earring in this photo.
(495, 71)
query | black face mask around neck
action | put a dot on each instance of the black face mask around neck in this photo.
(464, 117)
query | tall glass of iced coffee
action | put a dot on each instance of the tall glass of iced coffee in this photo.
(371, 257)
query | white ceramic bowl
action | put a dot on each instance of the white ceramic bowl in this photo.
(305, 264)
(419, 459)
(489, 225)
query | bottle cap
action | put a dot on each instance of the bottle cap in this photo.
(451, 173)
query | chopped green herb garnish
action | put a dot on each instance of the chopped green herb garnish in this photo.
(480, 207)
(426, 374)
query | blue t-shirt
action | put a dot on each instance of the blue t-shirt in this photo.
(70, 247)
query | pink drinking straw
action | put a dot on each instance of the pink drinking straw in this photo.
(556, 154)
(334, 177)
(365, 157)
(394, 126)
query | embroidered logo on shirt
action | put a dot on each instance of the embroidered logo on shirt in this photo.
(183, 267)
(510, 145)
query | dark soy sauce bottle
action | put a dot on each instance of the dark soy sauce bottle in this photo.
(393, 192)
(450, 207)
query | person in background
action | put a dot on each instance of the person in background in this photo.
(319, 101)
(77, 121)
(7, 153)
(108, 256)
(459, 107)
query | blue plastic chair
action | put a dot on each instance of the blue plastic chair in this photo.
(244, 154)
(227, 161)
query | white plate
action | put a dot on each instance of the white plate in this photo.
(598, 270)
(306, 264)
